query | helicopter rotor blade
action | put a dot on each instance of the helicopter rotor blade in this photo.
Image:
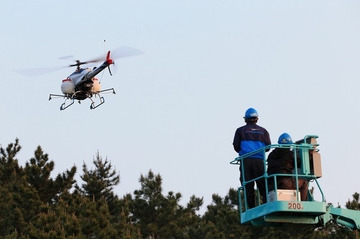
(66, 57)
(123, 52)
(120, 52)
(35, 72)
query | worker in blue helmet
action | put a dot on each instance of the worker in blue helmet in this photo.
(282, 161)
(285, 139)
(249, 138)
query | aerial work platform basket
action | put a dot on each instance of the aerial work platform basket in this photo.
(285, 205)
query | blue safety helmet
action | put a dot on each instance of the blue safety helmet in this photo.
(285, 139)
(251, 113)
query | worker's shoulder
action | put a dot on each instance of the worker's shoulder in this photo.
(260, 127)
(256, 126)
(251, 127)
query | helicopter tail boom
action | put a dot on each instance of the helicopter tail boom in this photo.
(97, 70)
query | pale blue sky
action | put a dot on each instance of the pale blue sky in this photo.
(178, 105)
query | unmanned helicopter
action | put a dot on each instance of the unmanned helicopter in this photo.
(83, 84)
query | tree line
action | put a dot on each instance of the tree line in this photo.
(35, 205)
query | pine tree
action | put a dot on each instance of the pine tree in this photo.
(38, 172)
(97, 195)
(355, 203)
(160, 216)
(19, 201)
(121, 217)
(99, 182)
(9, 167)
(221, 220)
(58, 220)
(95, 219)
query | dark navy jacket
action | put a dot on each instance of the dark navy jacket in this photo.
(249, 138)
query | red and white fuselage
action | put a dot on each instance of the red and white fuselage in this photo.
(70, 84)
(82, 83)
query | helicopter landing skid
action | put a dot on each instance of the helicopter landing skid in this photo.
(102, 99)
(72, 98)
(93, 106)
(64, 105)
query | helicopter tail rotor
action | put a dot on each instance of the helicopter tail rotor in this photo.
(109, 61)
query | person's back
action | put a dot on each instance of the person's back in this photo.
(249, 138)
(280, 160)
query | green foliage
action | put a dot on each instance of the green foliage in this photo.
(160, 216)
(19, 201)
(222, 218)
(121, 217)
(9, 167)
(355, 203)
(34, 205)
(38, 172)
(99, 182)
